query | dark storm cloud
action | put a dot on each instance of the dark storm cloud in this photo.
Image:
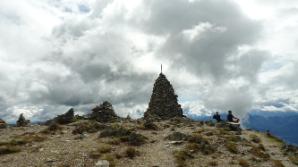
(95, 51)
(223, 29)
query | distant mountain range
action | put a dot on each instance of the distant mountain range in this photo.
(282, 124)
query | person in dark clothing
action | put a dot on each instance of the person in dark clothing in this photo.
(216, 116)
(232, 118)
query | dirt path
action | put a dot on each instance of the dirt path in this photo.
(158, 153)
(273, 148)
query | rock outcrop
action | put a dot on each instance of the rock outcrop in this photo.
(66, 118)
(163, 103)
(104, 113)
(22, 121)
(2, 124)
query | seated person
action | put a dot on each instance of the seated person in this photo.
(232, 118)
(216, 116)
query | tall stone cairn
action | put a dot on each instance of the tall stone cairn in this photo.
(22, 121)
(163, 102)
(65, 118)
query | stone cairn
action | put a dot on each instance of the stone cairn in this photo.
(2, 124)
(66, 118)
(22, 121)
(104, 113)
(163, 102)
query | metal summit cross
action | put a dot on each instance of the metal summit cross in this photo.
(161, 68)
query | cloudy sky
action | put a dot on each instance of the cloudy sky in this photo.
(218, 54)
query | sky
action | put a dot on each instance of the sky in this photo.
(219, 55)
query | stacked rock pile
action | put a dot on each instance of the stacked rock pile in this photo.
(104, 113)
(22, 121)
(66, 118)
(2, 124)
(163, 103)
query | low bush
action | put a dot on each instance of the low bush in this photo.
(52, 129)
(177, 136)
(88, 126)
(124, 135)
(259, 153)
(131, 152)
(181, 156)
(148, 125)
(9, 149)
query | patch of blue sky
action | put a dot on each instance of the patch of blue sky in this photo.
(83, 8)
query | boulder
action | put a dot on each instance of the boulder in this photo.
(163, 102)
(22, 121)
(104, 113)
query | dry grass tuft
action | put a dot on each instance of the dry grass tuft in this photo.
(177, 136)
(277, 163)
(114, 141)
(131, 152)
(9, 149)
(258, 152)
(232, 138)
(104, 148)
(12, 146)
(181, 156)
(148, 125)
(52, 129)
(232, 147)
(254, 138)
(198, 142)
(101, 149)
(23, 139)
(294, 159)
(212, 163)
(125, 135)
(88, 126)
(111, 159)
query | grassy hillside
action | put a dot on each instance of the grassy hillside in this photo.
(134, 143)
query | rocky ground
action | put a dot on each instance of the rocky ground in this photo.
(127, 143)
